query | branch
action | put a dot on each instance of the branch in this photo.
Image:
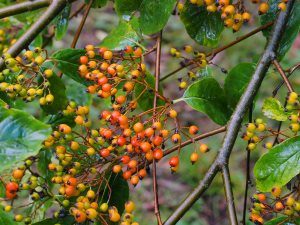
(78, 32)
(157, 75)
(282, 74)
(54, 9)
(216, 51)
(23, 7)
(229, 195)
(237, 117)
(248, 181)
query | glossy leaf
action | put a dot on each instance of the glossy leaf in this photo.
(62, 22)
(126, 7)
(273, 109)
(292, 28)
(204, 27)
(237, 81)
(145, 100)
(67, 61)
(278, 166)
(208, 97)
(154, 14)
(6, 218)
(124, 34)
(21, 135)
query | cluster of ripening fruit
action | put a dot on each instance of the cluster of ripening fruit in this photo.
(264, 206)
(84, 208)
(233, 15)
(188, 55)
(23, 77)
(259, 126)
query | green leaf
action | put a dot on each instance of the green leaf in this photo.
(58, 90)
(280, 220)
(237, 81)
(77, 92)
(154, 14)
(68, 220)
(126, 7)
(124, 34)
(44, 158)
(202, 26)
(208, 97)
(97, 3)
(279, 165)
(62, 22)
(292, 28)
(145, 100)
(119, 194)
(273, 109)
(21, 135)
(6, 218)
(67, 61)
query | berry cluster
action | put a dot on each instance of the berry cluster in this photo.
(123, 142)
(24, 78)
(189, 56)
(258, 131)
(265, 206)
(234, 15)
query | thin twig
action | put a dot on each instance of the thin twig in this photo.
(78, 32)
(247, 172)
(237, 117)
(215, 52)
(282, 74)
(23, 7)
(53, 10)
(157, 76)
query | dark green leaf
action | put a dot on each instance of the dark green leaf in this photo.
(208, 97)
(97, 3)
(124, 34)
(202, 26)
(44, 158)
(120, 192)
(273, 109)
(62, 22)
(236, 82)
(279, 165)
(126, 7)
(292, 28)
(282, 220)
(68, 220)
(21, 135)
(58, 90)
(67, 61)
(6, 218)
(155, 14)
(77, 92)
(145, 100)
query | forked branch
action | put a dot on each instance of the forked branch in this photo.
(24, 41)
(235, 122)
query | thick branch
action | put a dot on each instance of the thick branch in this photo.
(24, 41)
(237, 117)
(23, 7)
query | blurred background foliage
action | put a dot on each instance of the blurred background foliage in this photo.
(211, 209)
